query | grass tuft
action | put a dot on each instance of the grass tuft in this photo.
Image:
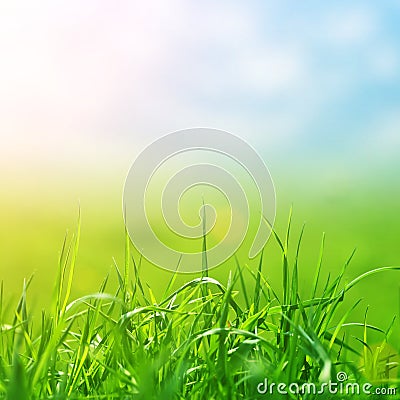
(197, 341)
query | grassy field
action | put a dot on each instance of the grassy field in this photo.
(101, 323)
(196, 341)
(34, 220)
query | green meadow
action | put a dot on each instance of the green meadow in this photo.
(361, 215)
(187, 329)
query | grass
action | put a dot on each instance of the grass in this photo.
(202, 340)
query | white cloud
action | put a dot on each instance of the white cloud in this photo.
(272, 70)
(382, 140)
(351, 26)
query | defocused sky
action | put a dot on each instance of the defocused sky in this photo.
(95, 81)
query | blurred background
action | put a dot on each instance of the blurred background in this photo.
(314, 87)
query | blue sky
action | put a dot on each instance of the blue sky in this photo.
(94, 80)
